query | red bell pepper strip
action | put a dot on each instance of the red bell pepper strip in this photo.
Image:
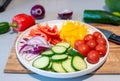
(50, 31)
(22, 21)
(34, 32)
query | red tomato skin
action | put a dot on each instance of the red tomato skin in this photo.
(101, 49)
(92, 44)
(78, 43)
(101, 41)
(97, 35)
(89, 37)
(83, 49)
(93, 57)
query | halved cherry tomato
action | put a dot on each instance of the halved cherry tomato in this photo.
(83, 49)
(101, 41)
(97, 35)
(78, 43)
(92, 44)
(101, 49)
(93, 57)
(89, 37)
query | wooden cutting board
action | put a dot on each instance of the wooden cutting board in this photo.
(111, 65)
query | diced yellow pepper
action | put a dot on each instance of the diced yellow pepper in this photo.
(72, 31)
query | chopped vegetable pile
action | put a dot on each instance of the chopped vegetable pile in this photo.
(51, 34)
(34, 45)
(71, 31)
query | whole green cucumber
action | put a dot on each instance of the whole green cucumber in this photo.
(4, 27)
(100, 16)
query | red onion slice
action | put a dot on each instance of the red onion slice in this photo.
(34, 45)
(65, 14)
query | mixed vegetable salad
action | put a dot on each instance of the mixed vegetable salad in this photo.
(68, 49)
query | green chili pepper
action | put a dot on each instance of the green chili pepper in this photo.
(4, 27)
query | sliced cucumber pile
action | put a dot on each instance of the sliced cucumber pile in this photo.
(61, 58)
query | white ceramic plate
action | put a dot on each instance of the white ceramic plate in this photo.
(28, 64)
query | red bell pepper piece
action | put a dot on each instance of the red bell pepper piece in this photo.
(22, 21)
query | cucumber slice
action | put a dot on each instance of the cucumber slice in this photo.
(65, 44)
(61, 57)
(41, 62)
(59, 49)
(67, 65)
(78, 63)
(57, 67)
(48, 53)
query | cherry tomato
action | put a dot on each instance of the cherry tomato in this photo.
(83, 49)
(89, 37)
(93, 57)
(78, 43)
(97, 35)
(92, 44)
(101, 41)
(101, 49)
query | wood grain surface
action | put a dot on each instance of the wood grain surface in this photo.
(111, 65)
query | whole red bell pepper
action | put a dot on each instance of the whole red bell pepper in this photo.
(22, 21)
